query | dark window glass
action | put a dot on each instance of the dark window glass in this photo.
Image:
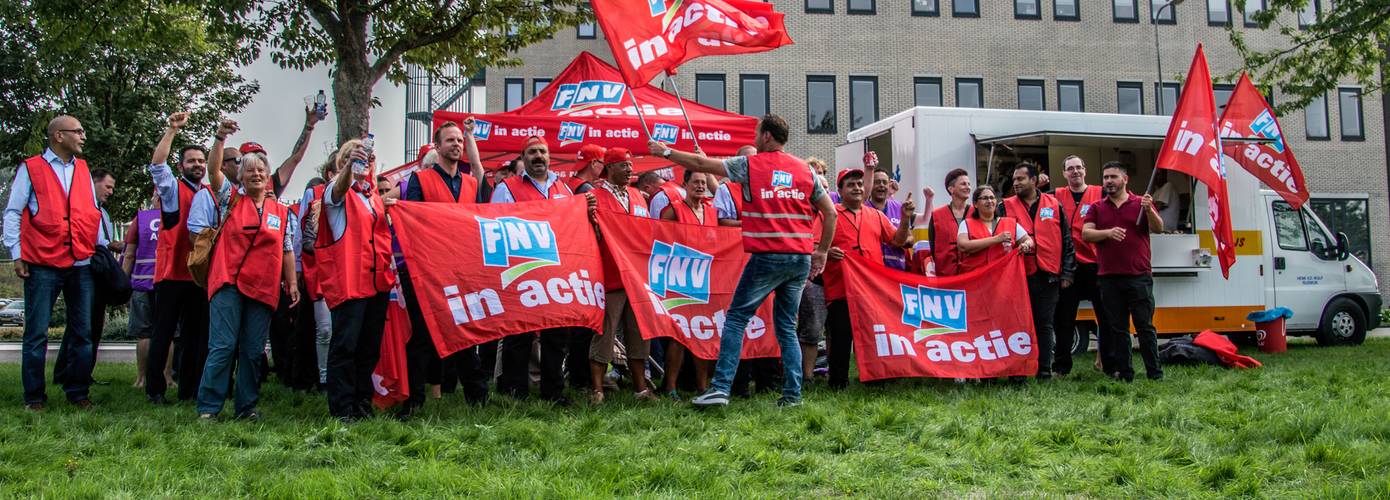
(965, 8)
(1130, 98)
(753, 95)
(820, 104)
(863, 101)
(709, 90)
(1065, 10)
(1071, 96)
(1349, 107)
(926, 91)
(1350, 216)
(926, 8)
(1030, 95)
(970, 93)
(514, 92)
(1126, 11)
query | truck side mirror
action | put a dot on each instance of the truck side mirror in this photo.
(1342, 246)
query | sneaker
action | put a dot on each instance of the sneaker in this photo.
(252, 415)
(786, 402)
(34, 407)
(674, 396)
(711, 397)
(206, 416)
(646, 395)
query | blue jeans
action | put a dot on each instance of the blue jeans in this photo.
(237, 329)
(765, 273)
(41, 289)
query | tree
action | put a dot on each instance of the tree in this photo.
(120, 66)
(1348, 40)
(366, 40)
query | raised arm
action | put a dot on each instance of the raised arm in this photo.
(904, 234)
(287, 167)
(1155, 221)
(692, 161)
(215, 176)
(475, 160)
(161, 151)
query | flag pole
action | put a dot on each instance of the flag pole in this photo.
(637, 106)
(1147, 191)
(681, 100)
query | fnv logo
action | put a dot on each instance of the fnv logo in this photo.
(571, 133)
(573, 97)
(678, 274)
(517, 244)
(482, 129)
(665, 133)
(1265, 126)
(657, 7)
(781, 179)
(933, 311)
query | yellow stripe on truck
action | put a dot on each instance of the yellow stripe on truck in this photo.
(1247, 242)
(1170, 320)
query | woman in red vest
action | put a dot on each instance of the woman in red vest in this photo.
(354, 264)
(694, 209)
(983, 238)
(252, 261)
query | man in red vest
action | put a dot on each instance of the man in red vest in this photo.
(180, 304)
(616, 195)
(780, 197)
(590, 160)
(51, 225)
(1051, 263)
(1075, 200)
(945, 222)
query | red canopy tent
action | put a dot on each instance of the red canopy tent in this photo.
(587, 103)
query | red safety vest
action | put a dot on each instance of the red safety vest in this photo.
(673, 194)
(64, 230)
(358, 264)
(978, 230)
(171, 256)
(523, 190)
(434, 189)
(778, 218)
(943, 246)
(1076, 216)
(860, 234)
(612, 278)
(686, 215)
(574, 182)
(1046, 230)
(736, 193)
(251, 250)
(310, 259)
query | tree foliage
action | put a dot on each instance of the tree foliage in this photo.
(1348, 41)
(120, 66)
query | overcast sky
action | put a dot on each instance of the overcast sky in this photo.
(276, 115)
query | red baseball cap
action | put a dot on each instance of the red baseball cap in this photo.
(424, 150)
(588, 153)
(536, 139)
(251, 147)
(616, 155)
(840, 177)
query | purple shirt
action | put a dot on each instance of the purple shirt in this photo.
(147, 239)
(1129, 257)
(893, 257)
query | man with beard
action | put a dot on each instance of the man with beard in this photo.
(180, 304)
(1051, 263)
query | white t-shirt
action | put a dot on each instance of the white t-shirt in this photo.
(1019, 232)
(1172, 212)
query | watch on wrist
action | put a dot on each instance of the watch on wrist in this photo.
(666, 153)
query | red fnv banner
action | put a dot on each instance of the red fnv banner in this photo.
(680, 279)
(649, 37)
(1248, 115)
(389, 378)
(973, 325)
(483, 272)
(1193, 147)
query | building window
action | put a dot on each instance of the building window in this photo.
(1349, 107)
(820, 104)
(586, 31)
(1308, 16)
(1219, 12)
(1350, 216)
(1126, 11)
(1027, 9)
(863, 101)
(1168, 98)
(965, 8)
(926, 91)
(537, 85)
(1222, 94)
(1253, 7)
(1071, 96)
(926, 8)
(1066, 10)
(753, 95)
(1030, 95)
(861, 7)
(970, 93)
(820, 7)
(709, 90)
(1130, 98)
(515, 92)
(1315, 118)
(1161, 11)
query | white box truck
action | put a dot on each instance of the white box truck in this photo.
(1285, 257)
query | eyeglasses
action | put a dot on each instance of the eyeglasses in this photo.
(1075, 168)
(77, 131)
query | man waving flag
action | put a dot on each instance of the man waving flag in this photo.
(1248, 115)
(649, 37)
(1193, 147)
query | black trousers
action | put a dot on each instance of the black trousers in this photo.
(577, 367)
(183, 307)
(764, 373)
(1042, 293)
(282, 348)
(424, 365)
(304, 364)
(1128, 298)
(516, 361)
(60, 365)
(353, 354)
(1083, 287)
(839, 342)
(487, 355)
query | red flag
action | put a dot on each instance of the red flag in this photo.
(1193, 147)
(974, 325)
(654, 36)
(1248, 115)
(483, 272)
(680, 279)
(389, 378)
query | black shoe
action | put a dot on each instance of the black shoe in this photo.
(1044, 376)
(347, 419)
(560, 401)
(1156, 376)
(158, 400)
(250, 415)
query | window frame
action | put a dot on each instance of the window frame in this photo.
(723, 86)
(1326, 122)
(1317, 14)
(743, 92)
(1076, 4)
(1227, 22)
(1115, 12)
(1080, 93)
(1360, 114)
(849, 9)
(979, 86)
(957, 12)
(521, 92)
(1037, 4)
(927, 80)
(1302, 226)
(1158, 96)
(863, 78)
(1172, 13)
(1139, 86)
(830, 9)
(1218, 87)
(1245, 13)
(1032, 82)
(934, 12)
(579, 31)
(834, 104)
(534, 91)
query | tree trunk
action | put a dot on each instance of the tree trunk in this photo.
(352, 95)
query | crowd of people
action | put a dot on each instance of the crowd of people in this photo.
(219, 267)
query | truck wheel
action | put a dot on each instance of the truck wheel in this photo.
(1079, 340)
(1342, 324)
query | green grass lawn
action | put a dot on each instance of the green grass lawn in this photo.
(1313, 422)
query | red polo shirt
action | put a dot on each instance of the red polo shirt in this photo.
(1129, 257)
